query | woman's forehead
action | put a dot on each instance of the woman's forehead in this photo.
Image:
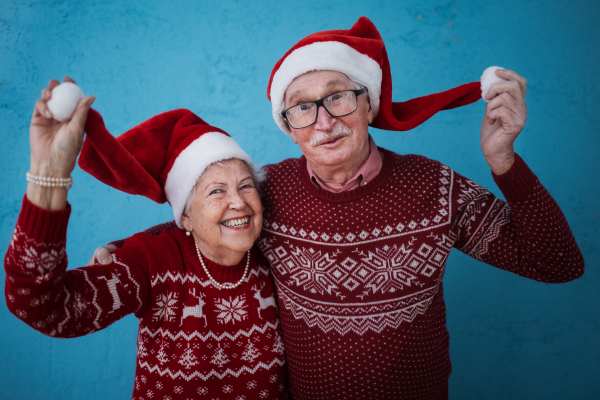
(225, 171)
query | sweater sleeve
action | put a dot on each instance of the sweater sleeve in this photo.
(153, 231)
(42, 293)
(527, 235)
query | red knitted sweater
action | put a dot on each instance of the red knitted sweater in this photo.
(194, 340)
(359, 274)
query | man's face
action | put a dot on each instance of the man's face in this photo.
(331, 141)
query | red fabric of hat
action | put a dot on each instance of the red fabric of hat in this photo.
(160, 158)
(360, 54)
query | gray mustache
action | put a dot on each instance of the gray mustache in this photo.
(322, 136)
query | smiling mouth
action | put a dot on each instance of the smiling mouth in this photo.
(236, 223)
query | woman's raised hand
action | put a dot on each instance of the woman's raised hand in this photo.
(54, 147)
(55, 144)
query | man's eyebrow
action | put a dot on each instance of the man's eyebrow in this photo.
(335, 82)
(294, 96)
(330, 84)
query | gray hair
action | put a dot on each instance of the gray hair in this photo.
(258, 176)
(356, 86)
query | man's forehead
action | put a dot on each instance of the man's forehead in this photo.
(315, 81)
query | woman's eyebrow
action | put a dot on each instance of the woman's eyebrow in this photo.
(249, 177)
(215, 183)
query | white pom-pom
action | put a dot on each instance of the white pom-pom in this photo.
(64, 101)
(488, 78)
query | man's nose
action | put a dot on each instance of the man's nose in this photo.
(324, 120)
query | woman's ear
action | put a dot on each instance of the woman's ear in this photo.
(187, 222)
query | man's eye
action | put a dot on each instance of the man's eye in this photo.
(303, 107)
(336, 96)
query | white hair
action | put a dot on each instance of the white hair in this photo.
(356, 86)
(257, 173)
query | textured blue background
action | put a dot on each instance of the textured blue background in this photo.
(510, 337)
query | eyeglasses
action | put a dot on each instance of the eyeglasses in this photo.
(337, 105)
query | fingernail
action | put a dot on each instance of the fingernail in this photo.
(104, 260)
(48, 114)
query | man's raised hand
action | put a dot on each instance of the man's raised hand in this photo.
(504, 119)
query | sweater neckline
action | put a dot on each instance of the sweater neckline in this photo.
(350, 195)
(221, 273)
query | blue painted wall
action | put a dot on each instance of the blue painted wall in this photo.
(510, 338)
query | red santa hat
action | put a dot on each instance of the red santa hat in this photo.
(161, 158)
(360, 54)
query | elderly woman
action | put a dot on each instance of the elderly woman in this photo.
(202, 292)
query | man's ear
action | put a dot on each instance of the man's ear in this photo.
(370, 115)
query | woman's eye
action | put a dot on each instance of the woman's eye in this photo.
(216, 191)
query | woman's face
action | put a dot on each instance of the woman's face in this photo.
(225, 216)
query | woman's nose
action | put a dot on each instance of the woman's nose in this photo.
(236, 201)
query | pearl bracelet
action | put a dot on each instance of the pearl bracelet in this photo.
(49, 181)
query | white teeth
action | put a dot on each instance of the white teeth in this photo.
(236, 223)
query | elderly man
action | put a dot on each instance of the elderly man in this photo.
(358, 236)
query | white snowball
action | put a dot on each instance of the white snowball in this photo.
(64, 100)
(488, 78)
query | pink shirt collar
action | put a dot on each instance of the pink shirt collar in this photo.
(365, 174)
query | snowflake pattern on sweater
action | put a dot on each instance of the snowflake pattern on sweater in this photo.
(359, 274)
(193, 340)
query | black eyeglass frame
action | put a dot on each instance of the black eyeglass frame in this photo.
(320, 103)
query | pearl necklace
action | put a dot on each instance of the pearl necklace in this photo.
(213, 280)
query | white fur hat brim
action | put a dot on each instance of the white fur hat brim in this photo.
(321, 56)
(209, 148)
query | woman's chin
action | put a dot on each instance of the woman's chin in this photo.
(239, 243)
(245, 235)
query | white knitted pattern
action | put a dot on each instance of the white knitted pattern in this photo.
(364, 272)
(387, 270)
